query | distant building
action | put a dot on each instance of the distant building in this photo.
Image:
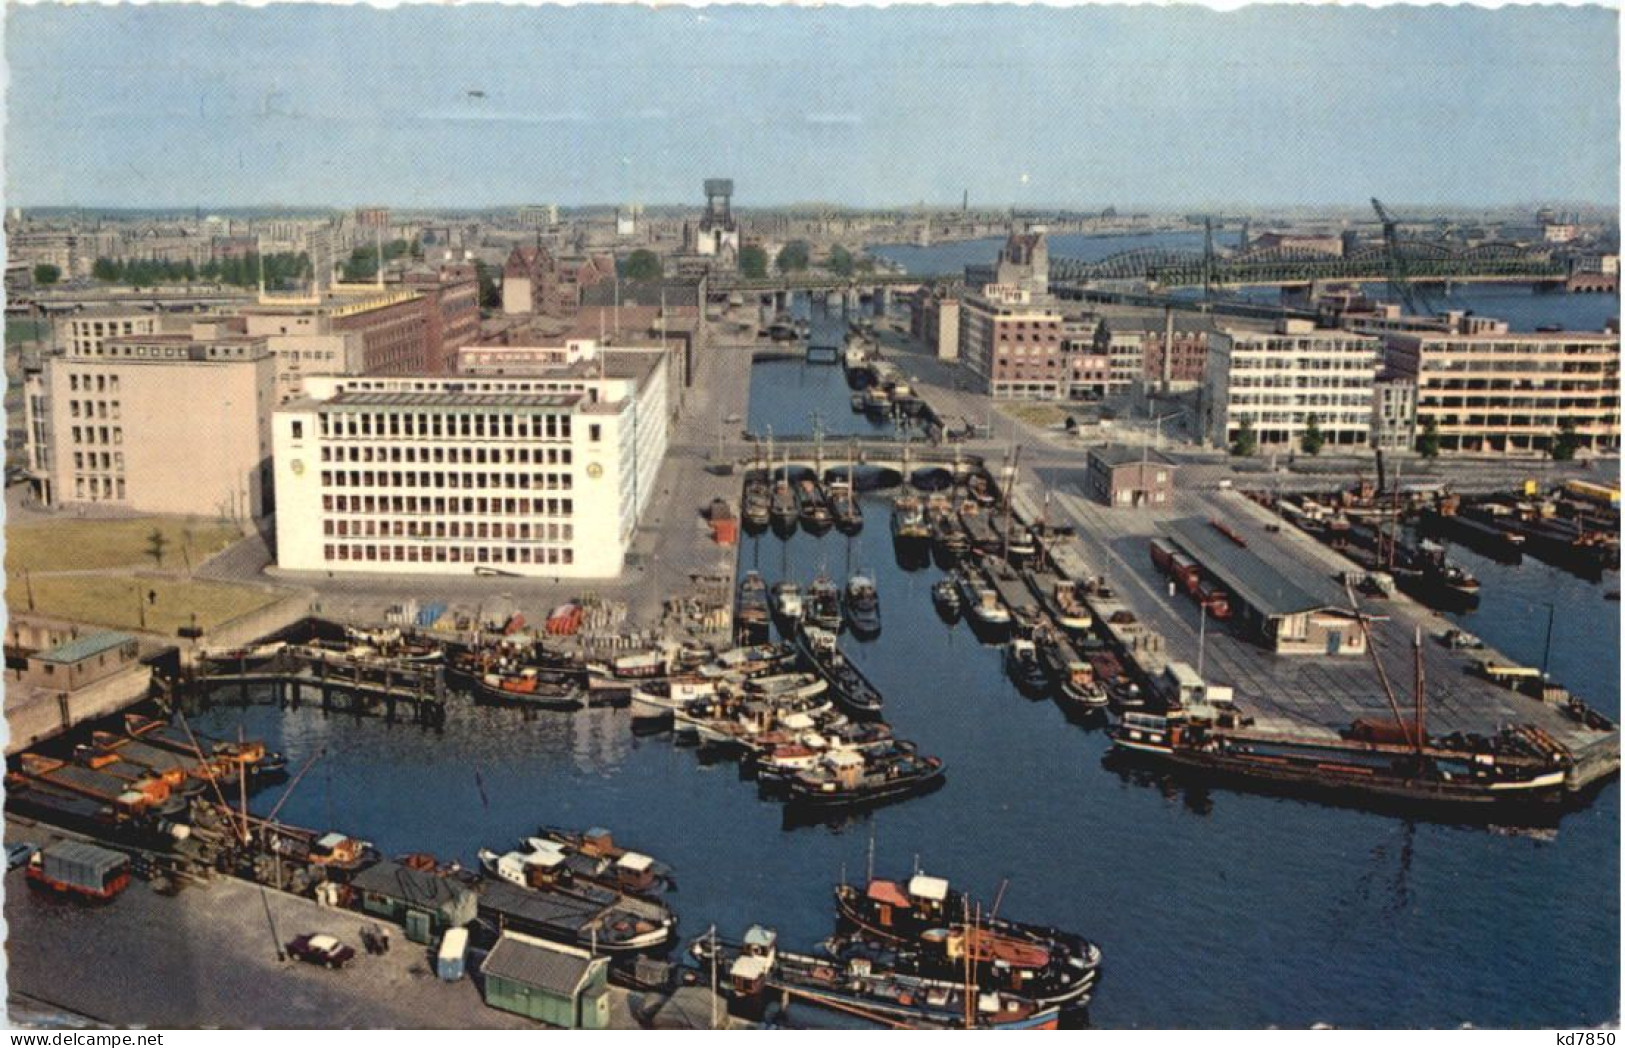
(538, 461)
(372, 217)
(83, 333)
(1319, 243)
(1023, 263)
(161, 423)
(452, 310)
(1012, 342)
(1279, 380)
(533, 281)
(1120, 475)
(1509, 392)
(934, 320)
(80, 661)
(353, 331)
(717, 235)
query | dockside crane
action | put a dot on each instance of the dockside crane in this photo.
(1399, 282)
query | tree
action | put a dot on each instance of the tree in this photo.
(155, 546)
(794, 257)
(1427, 445)
(1312, 440)
(46, 274)
(1246, 442)
(106, 270)
(753, 262)
(1566, 443)
(840, 261)
(490, 294)
(642, 266)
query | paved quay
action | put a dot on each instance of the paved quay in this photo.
(208, 958)
(1306, 694)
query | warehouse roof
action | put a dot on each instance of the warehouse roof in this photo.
(416, 887)
(1265, 587)
(562, 970)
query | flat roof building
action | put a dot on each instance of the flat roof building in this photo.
(543, 469)
(1509, 392)
(1120, 475)
(162, 423)
(1013, 342)
(1279, 380)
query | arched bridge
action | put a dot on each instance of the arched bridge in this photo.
(1275, 265)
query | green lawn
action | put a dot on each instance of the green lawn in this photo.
(1035, 414)
(82, 545)
(122, 602)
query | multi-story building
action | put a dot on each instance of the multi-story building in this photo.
(368, 330)
(538, 462)
(1509, 392)
(533, 281)
(1393, 412)
(83, 333)
(934, 320)
(452, 310)
(1012, 340)
(1278, 380)
(156, 423)
(1023, 262)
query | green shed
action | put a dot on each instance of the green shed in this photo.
(558, 985)
(426, 904)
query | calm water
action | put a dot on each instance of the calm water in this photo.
(1215, 909)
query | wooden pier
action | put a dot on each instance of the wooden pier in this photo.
(339, 683)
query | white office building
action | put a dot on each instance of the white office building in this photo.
(1279, 379)
(543, 474)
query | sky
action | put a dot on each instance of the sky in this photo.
(483, 106)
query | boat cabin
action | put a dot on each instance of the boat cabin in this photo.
(929, 894)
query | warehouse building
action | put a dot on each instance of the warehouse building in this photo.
(425, 904)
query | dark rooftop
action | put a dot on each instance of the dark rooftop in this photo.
(557, 969)
(1114, 455)
(1272, 589)
(416, 887)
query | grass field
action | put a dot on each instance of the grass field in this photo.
(121, 602)
(1036, 414)
(86, 545)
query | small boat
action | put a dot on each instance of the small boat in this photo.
(658, 700)
(1071, 679)
(752, 613)
(522, 892)
(876, 401)
(757, 503)
(910, 531)
(1022, 664)
(863, 606)
(531, 688)
(1070, 613)
(814, 507)
(751, 660)
(783, 511)
(855, 989)
(845, 781)
(823, 604)
(949, 535)
(1460, 640)
(593, 854)
(820, 648)
(982, 604)
(925, 920)
(945, 595)
(844, 505)
(787, 604)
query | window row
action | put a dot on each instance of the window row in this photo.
(448, 554)
(481, 425)
(552, 531)
(439, 481)
(439, 454)
(441, 504)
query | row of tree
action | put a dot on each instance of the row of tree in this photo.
(243, 271)
(1564, 443)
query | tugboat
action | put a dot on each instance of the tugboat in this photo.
(656, 702)
(1022, 664)
(857, 990)
(910, 532)
(863, 607)
(529, 687)
(593, 856)
(929, 923)
(815, 512)
(752, 614)
(787, 603)
(1070, 613)
(1071, 679)
(782, 508)
(949, 537)
(945, 595)
(823, 605)
(820, 648)
(846, 781)
(876, 402)
(535, 892)
(757, 504)
(983, 607)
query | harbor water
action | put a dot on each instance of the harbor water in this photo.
(1215, 908)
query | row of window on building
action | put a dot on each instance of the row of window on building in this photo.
(551, 531)
(440, 455)
(446, 504)
(408, 554)
(83, 383)
(480, 425)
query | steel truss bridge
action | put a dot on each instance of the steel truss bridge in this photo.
(1423, 261)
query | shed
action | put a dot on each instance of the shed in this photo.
(1119, 475)
(426, 904)
(81, 661)
(558, 985)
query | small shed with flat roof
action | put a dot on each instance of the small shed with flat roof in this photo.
(81, 661)
(425, 903)
(1289, 608)
(1120, 475)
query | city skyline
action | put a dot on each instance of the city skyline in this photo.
(484, 107)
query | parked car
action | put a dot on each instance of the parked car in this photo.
(322, 949)
(19, 853)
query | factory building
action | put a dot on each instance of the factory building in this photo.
(1279, 380)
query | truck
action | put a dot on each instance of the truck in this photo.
(80, 870)
(449, 961)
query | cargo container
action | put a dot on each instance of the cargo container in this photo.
(80, 869)
(1162, 555)
(449, 962)
(1216, 600)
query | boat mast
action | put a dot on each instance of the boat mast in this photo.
(969, 935)
(1009, 483)
(1421, 696)
(1382, 674)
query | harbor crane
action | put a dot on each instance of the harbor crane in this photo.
(1399, 282)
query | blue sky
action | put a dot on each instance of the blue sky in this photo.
(220, 106)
